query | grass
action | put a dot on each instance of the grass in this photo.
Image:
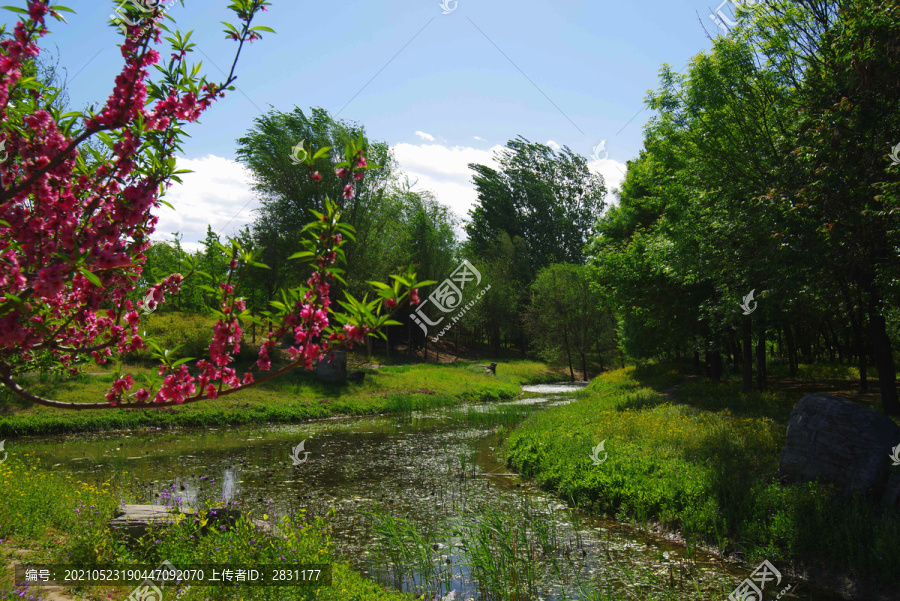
(510, 549)
(73, 530)
(294, 397)
(705, 466)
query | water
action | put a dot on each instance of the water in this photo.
(425, 467)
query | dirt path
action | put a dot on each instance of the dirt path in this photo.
(46, 593)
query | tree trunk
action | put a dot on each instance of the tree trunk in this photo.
(884, 358)
(735, 349)
(584, 372)
(747, 354)
(697, 362)
(716, 366)
(862, 353)
(792, 350)
(835, 341)
(714, 359)
(829, 348)
(568, 353)
(761, 354)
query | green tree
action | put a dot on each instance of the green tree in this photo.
(567, 316)
(549, 199)
(288, 193)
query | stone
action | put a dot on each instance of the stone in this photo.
(333, 368)
(133, 520)
(357, 376)
(836, 441)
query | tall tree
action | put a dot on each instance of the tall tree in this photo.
(548, 198)
(288, 192)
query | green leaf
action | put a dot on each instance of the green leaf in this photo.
(91, 277)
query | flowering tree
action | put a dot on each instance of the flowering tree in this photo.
(75, 219)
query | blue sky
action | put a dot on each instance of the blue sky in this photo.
(442, 89)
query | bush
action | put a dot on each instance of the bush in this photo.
(189, 331)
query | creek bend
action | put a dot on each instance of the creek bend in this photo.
(425, 467)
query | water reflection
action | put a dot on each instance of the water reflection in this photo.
(428, 469)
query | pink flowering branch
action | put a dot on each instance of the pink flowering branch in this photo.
(74, 226)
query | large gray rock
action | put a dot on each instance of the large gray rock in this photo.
(834, 440)
(333, 368)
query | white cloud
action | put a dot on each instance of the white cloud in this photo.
(553, 145)
(444, 170)
(479, 138)
(217, 191)
(425, 136)
(220, 188)
(613, 173)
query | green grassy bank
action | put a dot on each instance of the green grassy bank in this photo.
(703, 462)
(294, 397)
(73, 530)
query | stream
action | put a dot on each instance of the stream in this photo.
(429, 468)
